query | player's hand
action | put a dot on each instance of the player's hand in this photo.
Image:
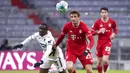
(112, 36)
(37, 64)
(86, 51)
(102, 30)
(18, 46)
(53, 50)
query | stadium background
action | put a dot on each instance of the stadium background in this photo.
(20, 18)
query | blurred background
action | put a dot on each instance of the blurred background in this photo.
(20, 19)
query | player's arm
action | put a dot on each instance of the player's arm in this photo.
(45, 55)
(49, 45)
(47, 52)
(26, 41)
(90, 38)
(95, 30)
(62, 35)
(115, 30)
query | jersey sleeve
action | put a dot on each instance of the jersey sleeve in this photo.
(86, 30)
(62, 35)
(89, 36)
(115, 29)
(30, 38)
(65, 29)
(94, 29)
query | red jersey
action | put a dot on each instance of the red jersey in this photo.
(76, 37)
(109, 26)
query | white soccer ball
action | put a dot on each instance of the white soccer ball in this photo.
(62, 6)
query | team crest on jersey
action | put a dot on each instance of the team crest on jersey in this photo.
(71, 31)
(101, 25)
(109, 24)
(80, 31)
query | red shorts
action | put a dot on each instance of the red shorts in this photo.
(83, 59)
(103, 48)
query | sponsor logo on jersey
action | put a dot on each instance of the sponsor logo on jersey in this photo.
(71, 31)
(109, 24)
(101, 25)
(80, 31)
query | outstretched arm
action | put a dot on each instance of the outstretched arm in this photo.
(26, 41)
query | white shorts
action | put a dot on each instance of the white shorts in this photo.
(59, 63)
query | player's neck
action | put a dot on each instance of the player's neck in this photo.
(105, 19)
(76, 24)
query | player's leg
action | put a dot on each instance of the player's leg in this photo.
(88, 68)
(106, 55)
(87, 62)
(70, 67)
(71, 59)
(99, 54)
(43, 70)
(61, 63)
(99, 64)
(105, 63)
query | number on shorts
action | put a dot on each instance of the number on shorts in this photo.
(88, 56)
(107, 49)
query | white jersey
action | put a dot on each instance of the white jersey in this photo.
(46, 43)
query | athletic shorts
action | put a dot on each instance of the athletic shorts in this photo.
(103, 48)
(59, 63)
(83, 59)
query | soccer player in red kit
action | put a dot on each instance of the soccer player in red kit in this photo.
(77, 45)
(106, 30)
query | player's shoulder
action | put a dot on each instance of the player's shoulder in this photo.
(49, 35)
(112, 20)
(98, 20)
(68, 23)
(83, 23)
(36, 34)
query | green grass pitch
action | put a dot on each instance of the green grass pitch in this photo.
(78, 71)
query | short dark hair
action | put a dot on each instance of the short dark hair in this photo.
(75, 12)
(45, 26)
(104, 8)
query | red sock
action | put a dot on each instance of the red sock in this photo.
(105, 66)
(74, 71)
(99, 68)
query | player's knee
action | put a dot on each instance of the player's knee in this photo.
(89, 71)
(99, 63)
(70, 68)
(105, 61)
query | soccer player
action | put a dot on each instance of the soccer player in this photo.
(106, 30)
(77, 44)
(46, 40)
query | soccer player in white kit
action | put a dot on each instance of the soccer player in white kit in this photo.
(46, 40)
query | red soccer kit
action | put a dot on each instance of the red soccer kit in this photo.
(76, 43)
(104, 41)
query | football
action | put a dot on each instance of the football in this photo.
(62, 7)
